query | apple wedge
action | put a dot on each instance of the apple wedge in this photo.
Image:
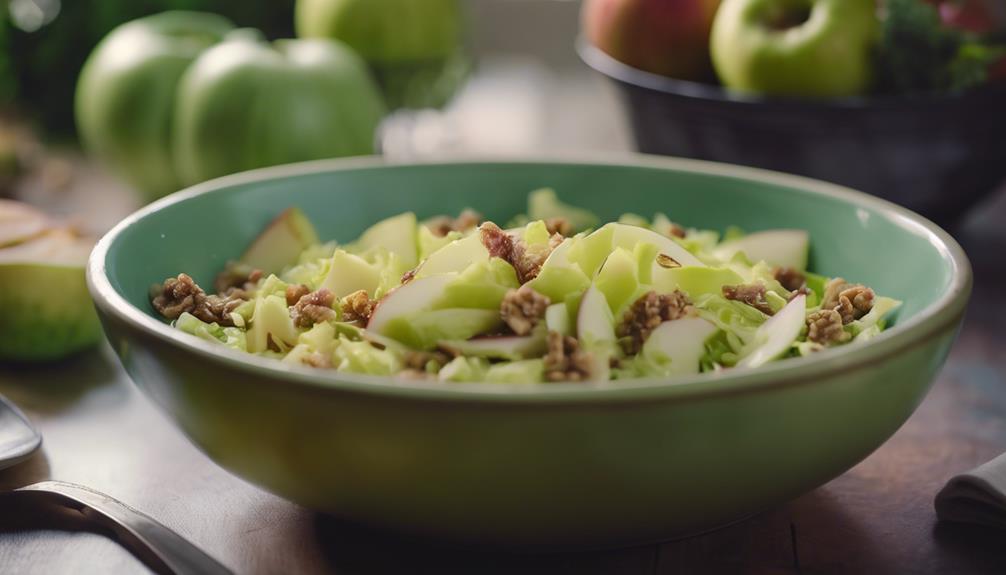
(271, 322)
(784, 248)
(774, 337)
(45, 308)
(595, 326)
(680, 343)
(626, 236)
(415, 296)
(350, 273)
(454, 257)
(398, 234)
(20, 222)
(510, 347)
(281, 242)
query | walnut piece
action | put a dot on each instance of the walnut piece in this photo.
(751, 294)
(181, 294)
(565, 360)
(498, 243)
(237, 276)
(522, 309)
(357, 307)
(790, 278)
(443, 225)
(851, 301)
(314, 307)
(825, 327)
(526, 259)
(648, 312)
(295, 292)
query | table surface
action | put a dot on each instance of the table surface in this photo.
(876, 518)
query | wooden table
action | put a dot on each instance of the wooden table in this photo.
(877, 518)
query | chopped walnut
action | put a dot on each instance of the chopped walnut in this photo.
(443, 225)
(565, 360)
(790, 278)
(418, 360)
(559, 225)
(522, 309)
(179, 295)
(851, 301)
(825, 327)
(648, 312)
(357, 307)
(237, 276)
(295, 292)
(314, 307)
(526, 259)
(498, 243)
(751, 294)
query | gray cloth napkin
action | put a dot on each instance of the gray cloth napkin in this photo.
(977, 496)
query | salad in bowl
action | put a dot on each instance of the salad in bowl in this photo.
(554, 295)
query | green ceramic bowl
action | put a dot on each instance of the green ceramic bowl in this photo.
(547, 465)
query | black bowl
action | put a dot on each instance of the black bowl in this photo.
(937, 155)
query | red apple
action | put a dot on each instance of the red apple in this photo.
(667, 37)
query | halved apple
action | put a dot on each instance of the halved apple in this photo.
(784, 248)
(774, 337)
(45, 308)
(281, 242)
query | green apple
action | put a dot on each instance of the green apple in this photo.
(800, 48)
(271, 323)
(350, 273)
(509, 347)
(398, 234)
(20, 222)
(679, 345)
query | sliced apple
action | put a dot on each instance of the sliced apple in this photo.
(774, 337)
(425, 329)
(271, 322)
(45, 308)
(590, 251)
(617, 278)
(784, 248)
(397, 234)
(20, 222)
(281, 242)
(350, 273)
(417, 295)
(696, 281)
(559, 277)
(557, 319)
(454, 257)
(509, 347)
(679, 344)
(482, 285)
(626, 236)
(595, 323)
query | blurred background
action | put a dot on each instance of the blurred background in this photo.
(899, 98)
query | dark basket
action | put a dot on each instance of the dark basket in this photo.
(937, 155)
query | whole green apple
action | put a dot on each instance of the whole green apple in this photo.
(800, 48)
(667, 37)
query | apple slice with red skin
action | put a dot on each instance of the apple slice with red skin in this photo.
(415, 296)
(510, 347)
(281, 242)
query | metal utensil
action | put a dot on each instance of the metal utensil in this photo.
(160, 548)
(18, 439)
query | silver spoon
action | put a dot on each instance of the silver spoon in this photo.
(160, 548)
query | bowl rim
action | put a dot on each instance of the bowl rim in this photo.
(934, 320)
(606, 64)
